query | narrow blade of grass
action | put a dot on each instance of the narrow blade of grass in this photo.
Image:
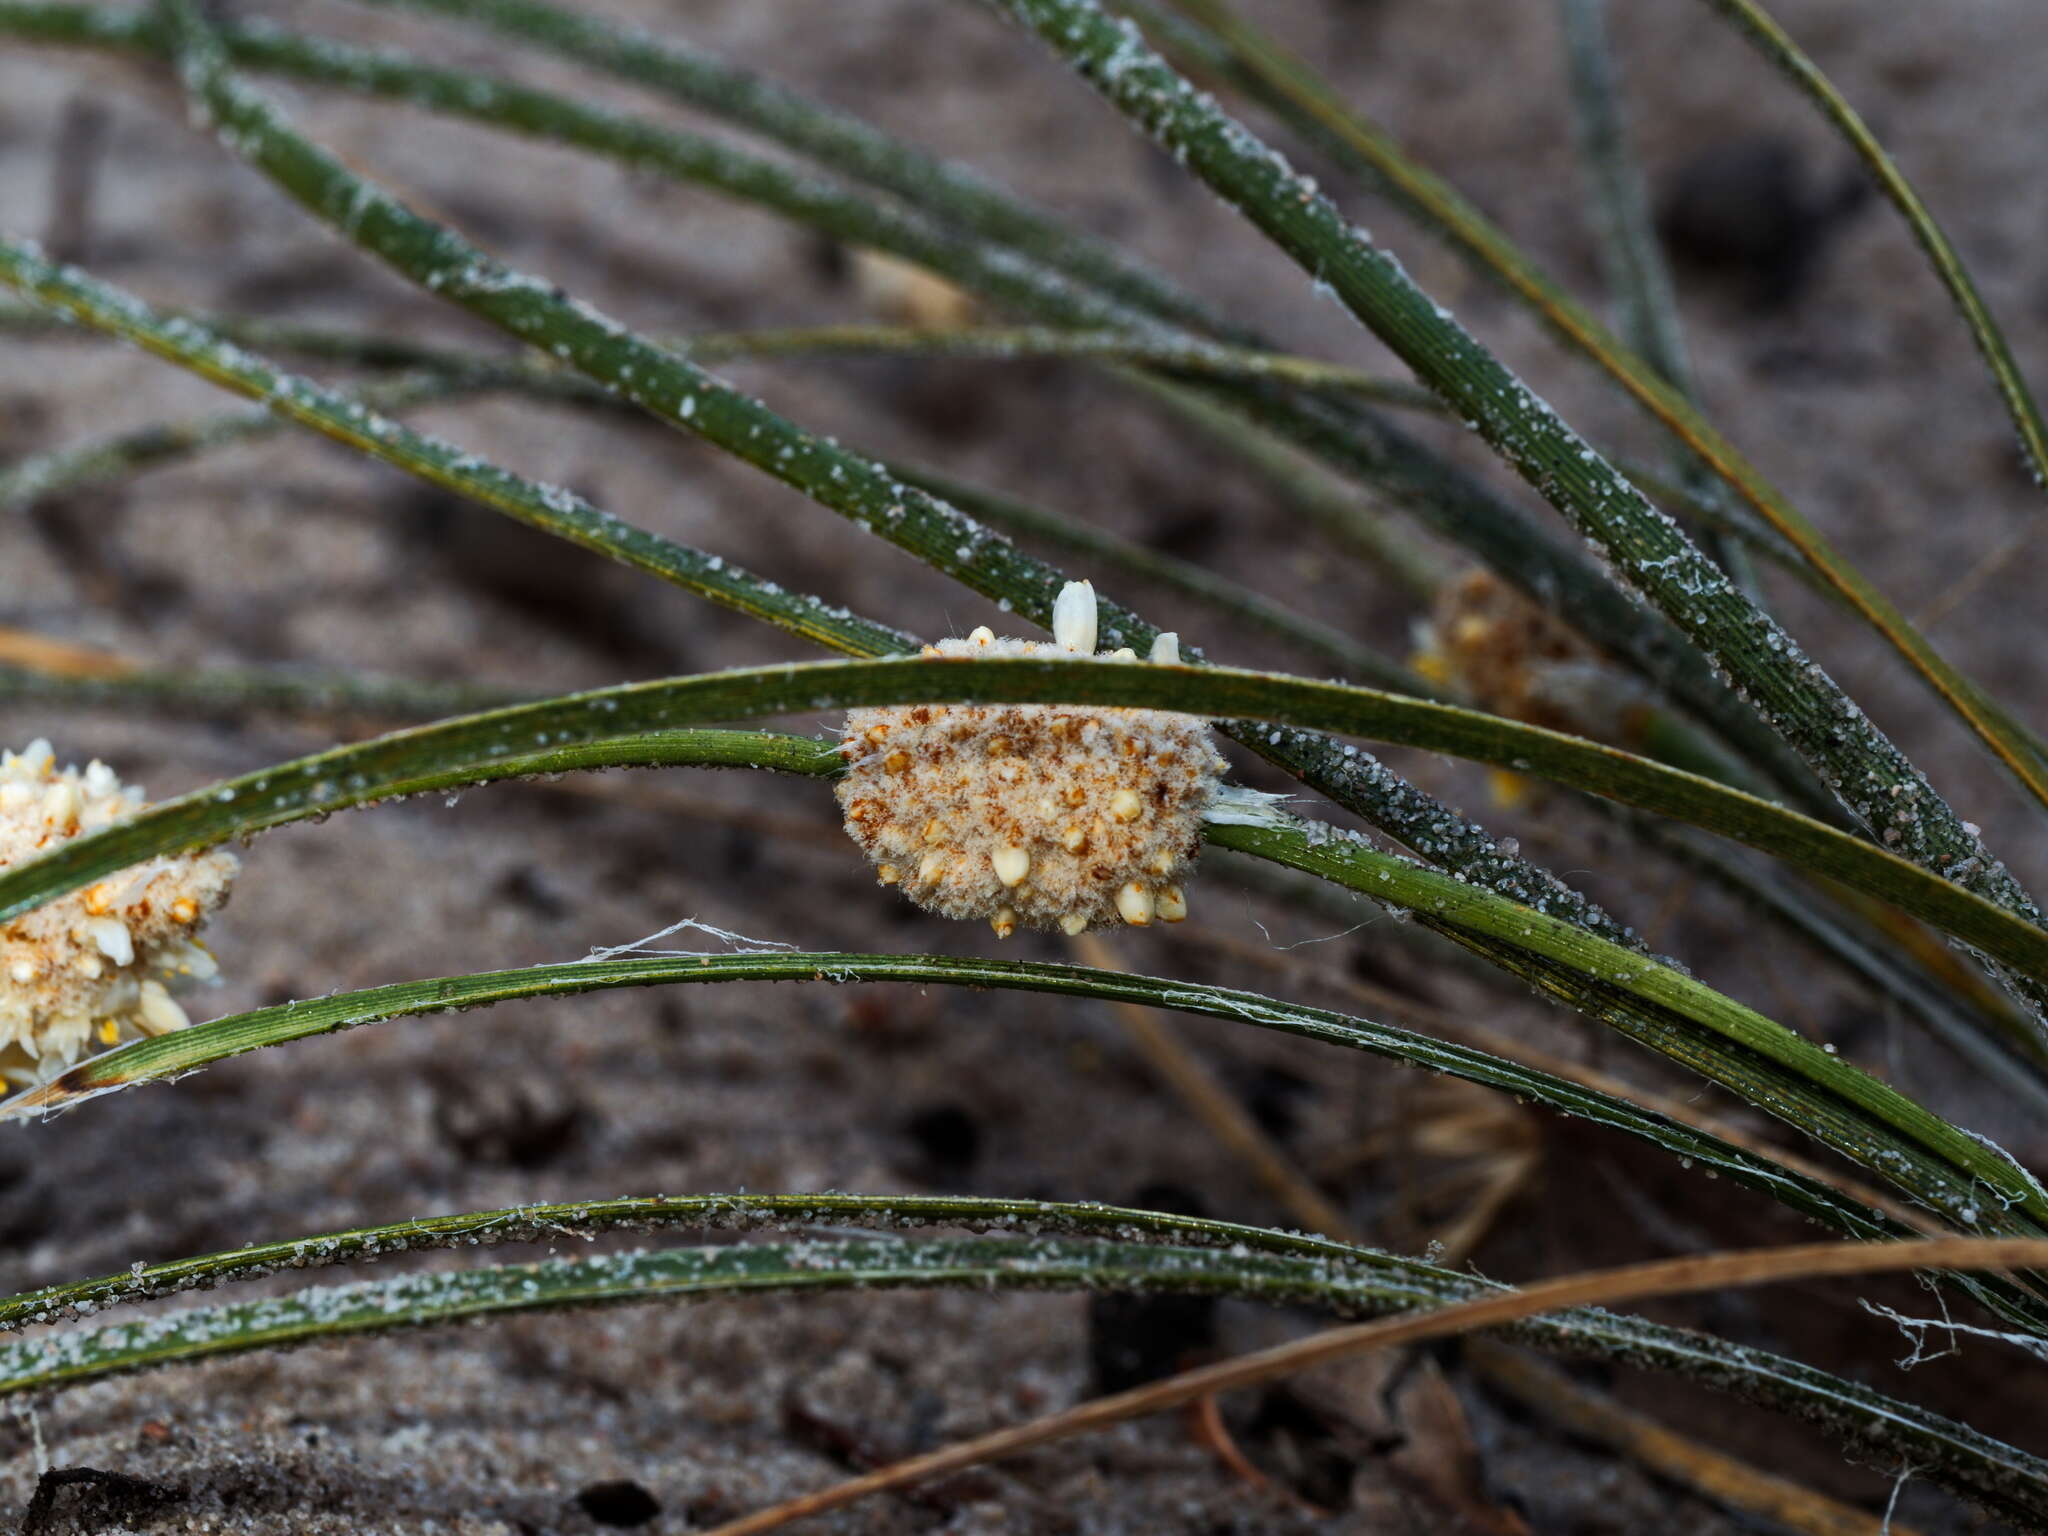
(610, 727)
(832, 138)
(436, 756)
(1353, 443)
(675, 391)
(105, 460)
(213, 690)
(1629, 250)
(347, 420)
(167, 1057)
(1670, 1277)
(1770, 39)
(1770, 1066)
(1867, 771)
(1290, 85)
(1106, 552)
(1360, 1282)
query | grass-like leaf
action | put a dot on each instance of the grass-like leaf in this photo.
(1107, 552)
(1668, 1277)
(1770, 39)
(128, 453)
(672, 389)
(441, 260)
(1287, 83)
(1631, 255)
(496, 744)
(1759, 1060)
(216, 690)
(1862, 765)
(170, 1056)
(1856, 1114)
(1456, 505)
(1886, 952)
(1358, 1282)
(351, 421)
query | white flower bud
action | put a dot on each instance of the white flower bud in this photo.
(1073, 618)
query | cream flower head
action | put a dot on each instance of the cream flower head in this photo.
(100, 962)
(1049, 815)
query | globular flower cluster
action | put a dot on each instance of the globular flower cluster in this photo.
(99, 963)
(1510, 658)
(1046, 815)
(1513, 659)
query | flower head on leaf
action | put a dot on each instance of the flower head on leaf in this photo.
(99, 963)
(1046, 815)
(1512, 659)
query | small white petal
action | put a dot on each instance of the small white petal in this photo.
(157, 1012)
(1135, 905)
(184, 958)
(60, 805)
(1073, 925)
(109, 936)
(1012, 864)
(1166, 648)
(1073, 618)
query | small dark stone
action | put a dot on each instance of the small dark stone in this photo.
(534, 889)
(1273, 1096)
(619, 1503)
(946, 1135)
(509, 1126)
(117, 1499)
(1747, 210)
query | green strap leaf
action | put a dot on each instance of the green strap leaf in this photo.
(348, 420)
(1879, 1127)
(1870, 774)
(671, 389)
(1287, 83)
(457, 374)
(170, 1056)
(1770, 39)
(1456, 505)
(436, 756)
(1353, 1282)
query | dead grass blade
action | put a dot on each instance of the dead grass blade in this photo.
(1600, 1288)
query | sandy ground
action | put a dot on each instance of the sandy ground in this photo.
(1848, 380)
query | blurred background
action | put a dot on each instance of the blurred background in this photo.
(1824, 347)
